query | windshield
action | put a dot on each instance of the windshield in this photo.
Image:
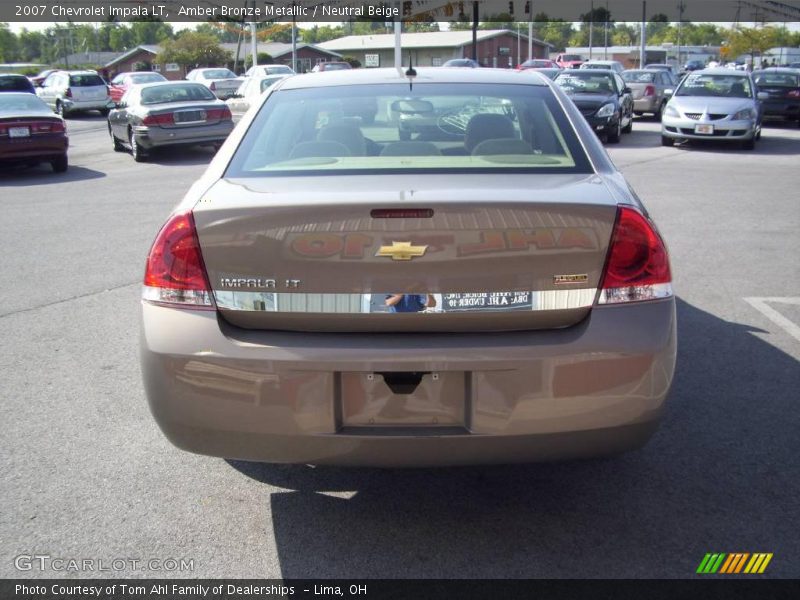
(586, 83)
(85, 80)
(638, 77)
(384, 128)
(718, 86)
(277, 69)
(16, 103)
(218, 74)
(146, 78)
(777, 79)
(181, 92)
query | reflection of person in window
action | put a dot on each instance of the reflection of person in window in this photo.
(410, 302)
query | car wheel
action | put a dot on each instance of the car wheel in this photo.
(613, 137)
(667, 141)
(749, 144)
(629, 127)
(60, 164)
(136, 150)
(660, 112)
(118, 147)
(60, 110)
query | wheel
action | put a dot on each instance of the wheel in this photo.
(629, 127)
(60, 164)
(657, 116)
(749, 144)
(667, 141)
(613, 138)
(136, 151)
(60, 110)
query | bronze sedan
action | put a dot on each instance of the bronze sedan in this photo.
(330, 293)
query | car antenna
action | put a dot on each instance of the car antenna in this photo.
(410, 73)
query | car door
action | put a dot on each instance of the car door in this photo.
(625, 98)
(46, 92)
(118, 118)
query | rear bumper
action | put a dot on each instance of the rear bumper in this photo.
(40, 146)
(649, 104)
(592, 389)
(76, 105)
(789, 110)
(151, 137)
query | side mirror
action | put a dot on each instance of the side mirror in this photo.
(669, 92)
(762, 95)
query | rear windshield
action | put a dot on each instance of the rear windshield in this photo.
(278, 69)
(335, 66)
(267, 83)
(15, 84)
(218, 74)
(778, 80)
(85, 80)
(19, 103)
(186, 92)
(146, 78)
(638, 76)
(390, 128)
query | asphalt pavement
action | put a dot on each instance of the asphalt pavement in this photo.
(86, 474)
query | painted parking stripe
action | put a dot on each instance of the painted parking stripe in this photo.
(762, 306)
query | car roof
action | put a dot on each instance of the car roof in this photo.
(168, 83)
(791, 70)
(589, 71)
(722, 71)
(602, 62)
(12, 75)
(391, 75)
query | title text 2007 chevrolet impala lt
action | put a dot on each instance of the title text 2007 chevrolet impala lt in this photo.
(486, 289)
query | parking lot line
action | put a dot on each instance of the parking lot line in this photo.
(762, 306)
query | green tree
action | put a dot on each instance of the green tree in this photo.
(150, 32)
(30, 45)
(751, 41)
(556, 32)
(120, 39)
(9, 51)
(193, 49)
(317, 34)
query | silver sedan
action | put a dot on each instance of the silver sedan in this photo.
(168, 114)
(718, 104)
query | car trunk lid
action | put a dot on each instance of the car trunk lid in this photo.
(496, 253)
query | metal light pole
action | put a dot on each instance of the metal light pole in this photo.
(398, 41)
(530, 30)
(642, 50)
(681, 7)
(605, 36)
(591, 27)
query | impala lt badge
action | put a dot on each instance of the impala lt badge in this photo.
(576, 278)
(401, 251)
(259, 283)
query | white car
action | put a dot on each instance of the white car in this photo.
(250, 91)
(719, 104)
(223, 82)
(260, 70)
(67, 92)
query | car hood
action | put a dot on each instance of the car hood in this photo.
(701, 104)
(591, 100)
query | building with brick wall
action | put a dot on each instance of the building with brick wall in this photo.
(500, 48)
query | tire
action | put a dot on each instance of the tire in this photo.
(60, 164)
(118, 147)
(613, 138)
(629, 127)
(60, 110)
(749, 144)
(657, 116)
(667, 141)
(136, 151)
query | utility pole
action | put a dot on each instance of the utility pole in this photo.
(475, 31)
(681, 8)
(642, 50)
(398, 41)
(253, 39)
(605, 37)
(591, 27)
(294, 38)
(530, 29)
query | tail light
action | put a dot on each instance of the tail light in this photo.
(650, 90)
(637, 267)
(175, 273)
(159, 119)
(223, 114)
(793, 94)
(47, 127)
(68, 93)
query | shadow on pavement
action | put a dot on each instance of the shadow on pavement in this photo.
(42, 174)
(721, 475)
(181, 155)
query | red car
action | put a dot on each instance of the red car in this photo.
(30, 133)
(537, 63)
(569, 61)
(122, 82)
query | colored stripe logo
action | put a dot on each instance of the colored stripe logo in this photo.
(731, 564)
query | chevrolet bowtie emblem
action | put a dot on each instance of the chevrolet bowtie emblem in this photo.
(401, 251)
